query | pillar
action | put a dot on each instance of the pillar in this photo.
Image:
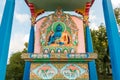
(5, 33)
(0, 35)
(89, 49)
(113, 38)
(30, 50)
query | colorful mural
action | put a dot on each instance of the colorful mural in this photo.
(72, 71)
(59, 38)
(45, 71)
(62, 71)
(59, 31)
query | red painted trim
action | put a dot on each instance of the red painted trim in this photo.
(92, 2)
(31, 6)
(32, 9)
(88, 6)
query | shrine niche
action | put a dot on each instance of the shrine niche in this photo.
(59, 31)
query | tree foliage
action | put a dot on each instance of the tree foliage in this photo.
(16, 67)
(101, 48)
(117, 14)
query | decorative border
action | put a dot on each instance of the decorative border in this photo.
(79, 57)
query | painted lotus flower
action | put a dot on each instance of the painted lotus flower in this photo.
(72, 71)
(45, 68)
(45, 71)
(72, 68)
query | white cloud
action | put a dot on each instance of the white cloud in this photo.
(2, 3)
(92, 19)
(92, 16)
(22, 18)
(93, 26)
(17, 42)
(115, 3)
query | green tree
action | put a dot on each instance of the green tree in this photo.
(101, 48)
(16, 67)
(117, 14)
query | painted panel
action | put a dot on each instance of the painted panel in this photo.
(81, 38)
(62, 71)
(37, 36)
(59, 33)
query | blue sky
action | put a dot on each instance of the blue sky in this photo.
(21, 21)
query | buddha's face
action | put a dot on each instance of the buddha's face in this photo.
(59, 27)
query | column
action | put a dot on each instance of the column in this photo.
(5, 33)
(30, 50)
(89, 49)
(0, 34)
(113, 38)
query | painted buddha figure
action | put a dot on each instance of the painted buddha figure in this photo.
(65, 38)
(58, 37)
(57, 34)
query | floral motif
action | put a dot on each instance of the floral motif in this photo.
(72, 71)
(45, 71)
